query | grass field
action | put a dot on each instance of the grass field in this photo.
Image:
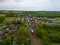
(44, 13)
(8, 20)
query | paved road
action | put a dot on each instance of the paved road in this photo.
(34, 39)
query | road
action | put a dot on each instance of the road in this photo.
(34, 39)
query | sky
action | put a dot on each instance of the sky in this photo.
(30, 5)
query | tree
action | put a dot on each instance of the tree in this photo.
(1, 19)
(22, 40)
(7, 41)
(11, 14)
(55, 37)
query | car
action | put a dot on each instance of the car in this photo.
(32, 21)
(29, 24)
(31, 18)
(28, 20)
(32, 32)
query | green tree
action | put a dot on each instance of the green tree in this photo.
(1, 19)
(7, 41)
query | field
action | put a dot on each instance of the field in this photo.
(8, 20)
(44, 13)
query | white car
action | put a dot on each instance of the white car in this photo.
(32, 31)
(29, 24)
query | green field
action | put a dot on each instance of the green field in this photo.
(44, 13)
(8, 20)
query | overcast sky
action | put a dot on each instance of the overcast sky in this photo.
(36, 5)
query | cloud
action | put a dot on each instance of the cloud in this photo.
(30, 5)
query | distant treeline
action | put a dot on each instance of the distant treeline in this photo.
(36, 13)
(45, 13)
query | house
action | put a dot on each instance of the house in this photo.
(51, 22)
(22, 19)
(12, 28)
(56, 22)
(12, 31)
(18, 19)
(36, 20)
(51, 19)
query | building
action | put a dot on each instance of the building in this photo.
(51, 22)
(12, 28)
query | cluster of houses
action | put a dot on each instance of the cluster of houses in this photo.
(50, 21)
(45, 20)
(33, 18)
(11, 29)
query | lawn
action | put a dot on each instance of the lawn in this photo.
(8, 20)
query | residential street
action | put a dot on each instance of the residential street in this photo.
(34, 39)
